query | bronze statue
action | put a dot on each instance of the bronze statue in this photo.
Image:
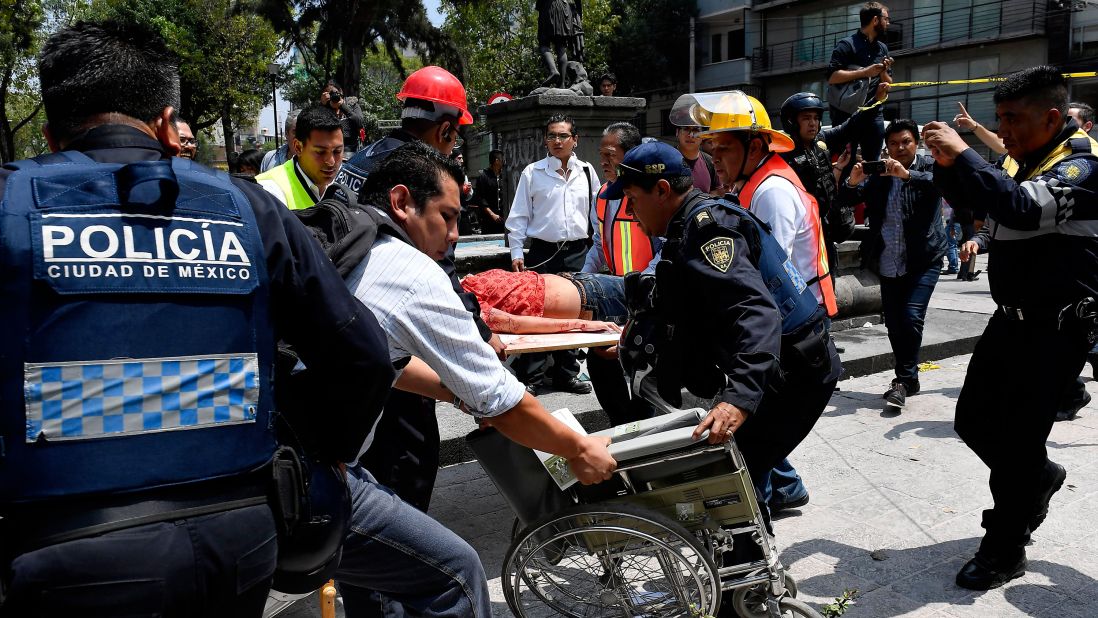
(560, 29)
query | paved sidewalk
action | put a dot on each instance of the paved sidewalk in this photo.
(895, 511)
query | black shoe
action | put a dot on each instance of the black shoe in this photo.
(532, 389)
(973, 276)
(1070, 413)
(573, 385)
(949, 271)
(1051, 482)
(777, 507)
(983, 573)
(896, 394)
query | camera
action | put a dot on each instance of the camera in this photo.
(335, 97)
(871, 168)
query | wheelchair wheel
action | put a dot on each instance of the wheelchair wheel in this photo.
(609, 560)
(750, 602)
(795, 607)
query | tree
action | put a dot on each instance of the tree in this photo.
(652, 47)
(223, 56)
(21, 23)
(498, 40)
(335, 36)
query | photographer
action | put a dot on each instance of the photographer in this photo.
(906, 243)
(859, 64)
(348, 112)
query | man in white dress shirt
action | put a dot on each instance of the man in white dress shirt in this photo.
(394, 548)
(552, 207)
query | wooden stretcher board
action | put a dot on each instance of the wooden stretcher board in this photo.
(525, 344)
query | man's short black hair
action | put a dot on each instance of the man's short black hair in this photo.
(1042, 85)
(901, 125)
(608, 77)
(679, 184)
(1086, 112)
(869, 11)
(96, 68)
(316, 118)
(628, 135)
(494, 155)
(416, 166)
(555, 118)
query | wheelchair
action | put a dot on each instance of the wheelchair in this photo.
(676, 532)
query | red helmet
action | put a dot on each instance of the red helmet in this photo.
(437, 85)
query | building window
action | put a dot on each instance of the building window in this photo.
(715, 48)
(938, 21)
(736, 44)
(821, 31)
(938, 102)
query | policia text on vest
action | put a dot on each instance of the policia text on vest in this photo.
(106, 246)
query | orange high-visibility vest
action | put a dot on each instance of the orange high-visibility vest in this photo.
(625, 247)
(776, 166)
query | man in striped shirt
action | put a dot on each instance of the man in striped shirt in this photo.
(394, 548)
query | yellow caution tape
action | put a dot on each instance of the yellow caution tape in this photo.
(928, 366)
(961, 82)
(980, 80)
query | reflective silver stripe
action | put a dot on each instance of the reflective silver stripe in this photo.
(96, 399)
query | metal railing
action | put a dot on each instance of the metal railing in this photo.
(981, 21)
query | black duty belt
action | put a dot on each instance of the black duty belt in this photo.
(1083, 312)
(32, 526)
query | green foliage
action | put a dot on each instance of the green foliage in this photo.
(21, 32)
(381, 81)
(223, 55)
(335, 36)
(651, 48)
(498, 40)
(841, 604)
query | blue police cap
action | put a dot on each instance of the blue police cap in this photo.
(652, 159)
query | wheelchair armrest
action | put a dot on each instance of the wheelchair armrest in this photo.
(644, 446)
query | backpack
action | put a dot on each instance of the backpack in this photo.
(346, 232)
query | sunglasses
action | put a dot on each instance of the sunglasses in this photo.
(557, 137)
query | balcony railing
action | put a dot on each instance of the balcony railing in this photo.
(982, 21)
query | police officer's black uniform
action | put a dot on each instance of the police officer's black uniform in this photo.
(812, 163)
(1044, 260)
(727, 338)
(190, 549)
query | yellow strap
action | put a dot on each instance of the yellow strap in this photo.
(958, 82)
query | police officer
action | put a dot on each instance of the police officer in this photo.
(801, 115)
(727, 339)
(144, 295)
(1043, 214)
(747, 148)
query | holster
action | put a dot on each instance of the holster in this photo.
(807, 347)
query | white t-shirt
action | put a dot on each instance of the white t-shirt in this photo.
(777, 202)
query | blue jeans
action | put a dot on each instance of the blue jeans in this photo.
(954, 250)
(905, 300)
(419, 566)
(603, 295)
(781, 486)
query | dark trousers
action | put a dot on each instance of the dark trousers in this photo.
(213, 565)
(1005, 412)
(904, 301)
(551, 258)
(787, 412)
(870, 141)
(405, 453)
(612, 391)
